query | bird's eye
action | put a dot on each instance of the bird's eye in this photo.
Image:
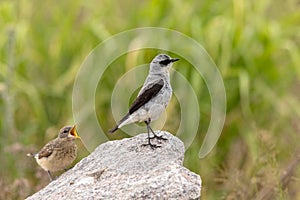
(66, 130)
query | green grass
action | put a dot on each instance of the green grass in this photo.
(255, 44)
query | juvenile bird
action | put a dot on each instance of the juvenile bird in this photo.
(58, 153)
(153, 97)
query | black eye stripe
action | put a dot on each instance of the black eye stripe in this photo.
(165, 62)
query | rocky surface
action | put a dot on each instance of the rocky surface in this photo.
(125, 169)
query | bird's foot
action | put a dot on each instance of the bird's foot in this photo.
(153, 146)
(158, 137)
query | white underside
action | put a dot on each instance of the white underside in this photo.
(151, 110)
(53, 164)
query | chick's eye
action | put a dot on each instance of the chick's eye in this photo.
(66, 130)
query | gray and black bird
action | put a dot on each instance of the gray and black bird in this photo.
(153, 97)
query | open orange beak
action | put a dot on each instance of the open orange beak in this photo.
(73, 132)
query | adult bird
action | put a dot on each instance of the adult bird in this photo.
(153, 97)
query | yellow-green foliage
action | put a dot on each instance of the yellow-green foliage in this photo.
(255, 44)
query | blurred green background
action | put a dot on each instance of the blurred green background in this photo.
(255, 44)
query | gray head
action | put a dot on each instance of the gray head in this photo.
(68, 132)
(162, 63)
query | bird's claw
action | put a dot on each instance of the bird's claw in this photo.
(158, 137)
(153, 146)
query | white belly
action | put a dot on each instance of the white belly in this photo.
(155, 107)
(57, 160)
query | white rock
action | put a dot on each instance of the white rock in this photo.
(124, 169)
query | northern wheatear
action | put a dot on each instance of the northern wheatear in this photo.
(153, 97)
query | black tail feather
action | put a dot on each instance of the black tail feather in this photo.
(114, 129)
(120, 122)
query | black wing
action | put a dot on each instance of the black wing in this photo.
(148, 94)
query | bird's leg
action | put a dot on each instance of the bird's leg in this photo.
(153, 146)
(49, 174)
(156, 136)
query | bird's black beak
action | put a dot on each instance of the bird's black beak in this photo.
(174, 59)
(73, 132)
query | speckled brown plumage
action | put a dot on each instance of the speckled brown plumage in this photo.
(58, 153)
